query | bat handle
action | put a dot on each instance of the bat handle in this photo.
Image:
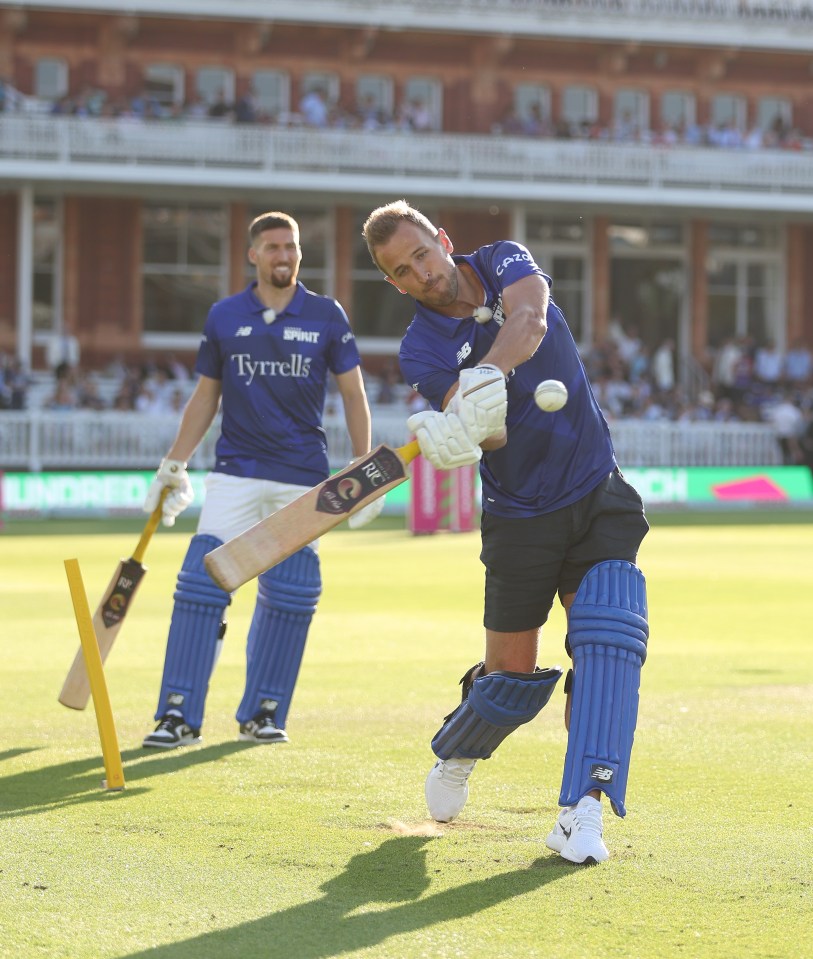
(151, 527)
(410, 451)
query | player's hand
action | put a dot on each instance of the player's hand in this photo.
(443, 439)
(171, 475)
(366, 514)
(481, 401)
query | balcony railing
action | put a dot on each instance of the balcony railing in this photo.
(225, 156)
(36, 441)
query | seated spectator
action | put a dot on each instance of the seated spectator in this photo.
(63, 398)
(314, 108)
(768, 364)
(798, 371)
(789, 423)
(88, 396)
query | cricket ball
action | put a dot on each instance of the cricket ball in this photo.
(550, 395)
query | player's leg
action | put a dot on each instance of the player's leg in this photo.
(507, 690)
(198, 619)
(197, 626)
(607, 635)
(287, 595)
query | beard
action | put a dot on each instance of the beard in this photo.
(445, 290)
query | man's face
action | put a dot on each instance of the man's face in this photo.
(276, 255)
(420, 265)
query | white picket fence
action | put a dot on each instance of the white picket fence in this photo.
(43, 440)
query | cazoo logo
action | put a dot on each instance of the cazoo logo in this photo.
(516, 258)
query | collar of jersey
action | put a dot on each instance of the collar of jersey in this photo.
(294, 307)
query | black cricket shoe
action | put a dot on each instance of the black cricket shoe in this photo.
(172, 731)
(262, 729)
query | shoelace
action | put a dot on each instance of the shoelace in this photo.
(457, 774)
(170, 724)
(588, 820)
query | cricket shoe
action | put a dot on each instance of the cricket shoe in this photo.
(447, 788)
(558, 836)
(584, 845)
(172, 731)
(262, 729)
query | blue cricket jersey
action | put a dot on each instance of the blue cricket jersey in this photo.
(274, 382)
(551, 459)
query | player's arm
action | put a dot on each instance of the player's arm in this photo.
(525, 305)
(356, 410)
(197, 417)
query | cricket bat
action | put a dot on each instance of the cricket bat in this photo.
(110, 615)
(305, 519)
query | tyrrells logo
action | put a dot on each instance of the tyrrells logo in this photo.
(301, 336)
(298, 367)
(463, 352)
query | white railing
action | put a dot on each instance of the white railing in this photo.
(219, 155)
(41, 440)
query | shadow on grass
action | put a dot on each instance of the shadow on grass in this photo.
(338, 923)
(66, 784)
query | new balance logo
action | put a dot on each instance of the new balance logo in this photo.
(602, 774)
(463, 352)
(243, 331)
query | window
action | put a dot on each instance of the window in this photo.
(374, 100)
(774, 116)
(164, 84)
(215, 85)
(426, 93)
(559, 246)
(532, 107)
(328, 83)
(579, 106)
(47, 265)
(630, 115)
(50, 79)
(272, 93)
(184, 268)
(743, 271)
(677, 110)
(728, 111)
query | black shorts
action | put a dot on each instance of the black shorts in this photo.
(528, 561)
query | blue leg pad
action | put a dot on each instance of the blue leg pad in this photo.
(287, 595)
(198, 623)
(496, 705)
(607, 633)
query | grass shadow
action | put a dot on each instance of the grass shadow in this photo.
(66, 784)
(347, 917)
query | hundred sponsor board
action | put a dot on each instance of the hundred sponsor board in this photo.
(122, 493)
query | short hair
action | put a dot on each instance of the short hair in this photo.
(382, 223)
(272, 221)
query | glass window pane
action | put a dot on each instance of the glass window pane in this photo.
(164, 83)
(379, 309)
(178, 304)
(677, 109)
(425, 96)
(631, 114)
(162, 234)
(727, 110)
(50, 78)
(722, 318)
(215, 85)
(205, 231)
(579, 105)
(42, 306)
(272, 92)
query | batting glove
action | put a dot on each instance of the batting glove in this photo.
(481, 401)
(172, 475)
(443, 439)
(366, 514)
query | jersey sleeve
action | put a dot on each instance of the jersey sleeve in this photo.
(210, 360)
(510, 261)
(343, 354)
(421, 370)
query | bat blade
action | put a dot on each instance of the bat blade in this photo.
(109, 617)
(305, 519)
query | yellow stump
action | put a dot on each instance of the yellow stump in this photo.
(98, 685)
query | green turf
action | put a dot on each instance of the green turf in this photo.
(321, 848)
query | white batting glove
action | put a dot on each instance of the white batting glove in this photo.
(481, 401)
(443, 439)
(172, 475)
(366, 514)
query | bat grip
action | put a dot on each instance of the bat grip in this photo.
(410, 451)
(150, 528)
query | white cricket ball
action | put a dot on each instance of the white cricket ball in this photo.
(482, 314)
(550, 395)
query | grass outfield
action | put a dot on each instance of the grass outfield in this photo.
(321, 848)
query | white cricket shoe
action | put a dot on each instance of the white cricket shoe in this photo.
(558, 836)
(447, 788)
(584, 845)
